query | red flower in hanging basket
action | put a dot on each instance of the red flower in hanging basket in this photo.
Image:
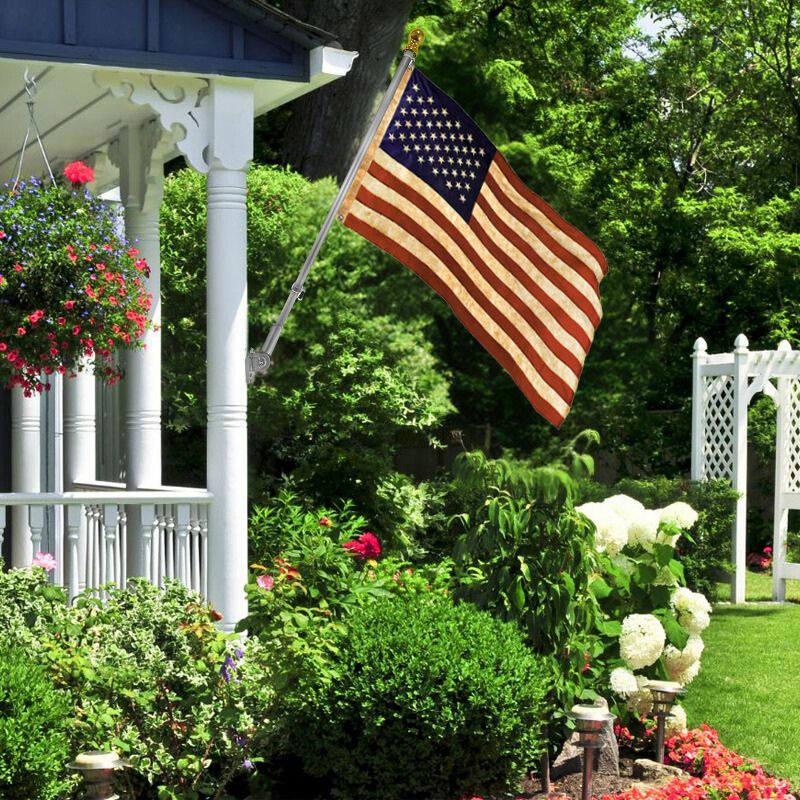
(78, 173)
(54, 313)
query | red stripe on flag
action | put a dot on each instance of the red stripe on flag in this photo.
(559, 350)
(550, 212)
(550, 303)
(438, 247)
(489, 343)
(531, 224)
(567, 287)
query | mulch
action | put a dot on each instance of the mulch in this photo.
(571, 786)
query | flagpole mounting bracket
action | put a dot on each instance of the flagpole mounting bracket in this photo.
(258, 363)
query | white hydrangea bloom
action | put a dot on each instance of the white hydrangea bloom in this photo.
(695, 623)
(643, 529)
(680, 514)
(623, 682)
(686, 676)
(626, 507)
(641, 701)
(641, 641)
(679, 662)
(611, 530)
(676, 722)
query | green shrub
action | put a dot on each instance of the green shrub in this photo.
(709, 551)
(429, 700)
(34, 746)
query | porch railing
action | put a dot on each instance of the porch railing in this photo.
(96, 530)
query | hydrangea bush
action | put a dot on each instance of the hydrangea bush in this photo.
(70, 286)
(652, 624)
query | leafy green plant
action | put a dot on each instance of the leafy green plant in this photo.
(529, 558)
(34, 745)
(289, 517)
(428, 700)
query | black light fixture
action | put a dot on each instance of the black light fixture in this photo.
(664, 695)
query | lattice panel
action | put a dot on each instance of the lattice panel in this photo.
(718, 413)
(793, 436)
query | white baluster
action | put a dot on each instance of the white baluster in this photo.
(146, 516)
(73, 544)
(204, 553)
(36, 522)
(194, 527)
(2, 526)
(170, 537)
(162, 545)
(182, 529)
(109, 528)
(122, 549)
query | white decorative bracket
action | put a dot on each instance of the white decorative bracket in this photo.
(133, 152)
(179, 101)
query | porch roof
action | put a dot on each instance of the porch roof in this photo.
(63, 44)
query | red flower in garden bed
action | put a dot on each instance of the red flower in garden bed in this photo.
(716, 773)
(365, 546)
(58, 305)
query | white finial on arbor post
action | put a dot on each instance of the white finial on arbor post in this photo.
(699, 357)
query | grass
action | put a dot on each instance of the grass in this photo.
(749, 685)
(759, 587)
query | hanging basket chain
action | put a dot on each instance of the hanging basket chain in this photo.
(31, 90)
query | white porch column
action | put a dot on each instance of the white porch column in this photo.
(141, 189)
(25, 468)
(230, 149)
(80, 463)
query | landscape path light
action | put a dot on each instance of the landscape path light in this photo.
(664, 695)
(589, 722)
(97, 768)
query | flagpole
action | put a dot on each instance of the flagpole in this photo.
(259, 361)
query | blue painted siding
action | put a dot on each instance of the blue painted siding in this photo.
(200, 36)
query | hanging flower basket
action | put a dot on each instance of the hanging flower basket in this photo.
(70, 286)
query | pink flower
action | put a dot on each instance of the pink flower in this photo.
(768, 550)
(77, 173)
(265, 582)
(44, 560)
(325, 522)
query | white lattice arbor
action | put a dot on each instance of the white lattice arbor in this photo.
(723, 386)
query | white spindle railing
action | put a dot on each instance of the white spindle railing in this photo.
(172, 536)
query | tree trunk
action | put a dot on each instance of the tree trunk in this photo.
(326, 126)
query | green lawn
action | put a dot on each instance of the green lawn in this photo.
(759, 587)
(749, 685)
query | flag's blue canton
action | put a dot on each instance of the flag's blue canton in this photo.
(432, 136)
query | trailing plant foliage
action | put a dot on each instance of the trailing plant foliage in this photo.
(529, 558)
(428, 700)
(70, 286)
(706, 553)
(34, 746)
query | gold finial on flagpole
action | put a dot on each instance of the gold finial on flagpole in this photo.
(415, 39)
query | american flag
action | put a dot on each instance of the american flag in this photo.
(436, 194)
